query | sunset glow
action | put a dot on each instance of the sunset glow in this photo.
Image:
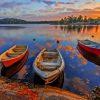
(48, 9)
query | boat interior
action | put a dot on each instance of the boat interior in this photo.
(49, 60)
(14, 52)
(91, 44)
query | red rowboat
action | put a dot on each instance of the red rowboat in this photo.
(13, 55)
(13, 69)
(90, 46)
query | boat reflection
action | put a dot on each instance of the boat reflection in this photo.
(57, 83)
(13, 69)
(90, 57)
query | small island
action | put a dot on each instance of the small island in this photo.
(80, 20)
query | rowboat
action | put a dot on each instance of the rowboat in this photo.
(49, 64)
(13, 69)
(13, 55)
(90, 46)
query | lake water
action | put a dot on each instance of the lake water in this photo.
(80, 75)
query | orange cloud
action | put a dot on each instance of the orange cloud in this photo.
(97, 9)
(58, 4)
(57, 9)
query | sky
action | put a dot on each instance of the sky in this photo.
(44, 10)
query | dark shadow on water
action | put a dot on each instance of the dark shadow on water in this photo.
(89, 56)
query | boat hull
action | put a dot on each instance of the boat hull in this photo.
(13, 69)
(9, 62)
(89, 49)
(51, 76)
(12, 61)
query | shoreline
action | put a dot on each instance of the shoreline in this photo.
(10, 90)
(49, 24)
(22, 25)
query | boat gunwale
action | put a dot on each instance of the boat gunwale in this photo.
(41, 75)
(80, 41)
(13, 57)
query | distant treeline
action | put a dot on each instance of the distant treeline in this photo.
(72, 20)
(20, 21)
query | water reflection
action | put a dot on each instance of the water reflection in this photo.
(12, 27)
(80, 75)
(89, 56)
(79, 29)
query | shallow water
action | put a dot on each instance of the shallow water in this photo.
(80, 75)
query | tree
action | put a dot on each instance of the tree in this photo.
(98, 19)
(85, 19)
(90, 20)
(70, 19)
(80, 18)
(74, 19)
(65, 20)
(62, 21)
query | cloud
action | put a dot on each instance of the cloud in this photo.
(72, 10)
(63, 1)
(58, 4)
(36, 0)
(49, 2)
(12, 4)
(58, 10)
(48, 9)
(97, 8)
(89, 5)
(9, 4)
